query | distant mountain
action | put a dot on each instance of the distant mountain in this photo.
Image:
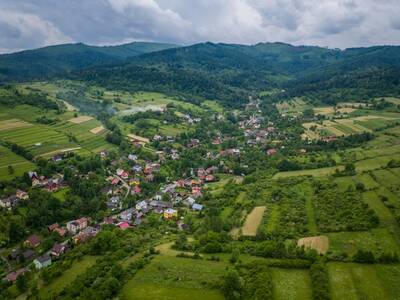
(48, 61)
(225, 72)
(230, 72)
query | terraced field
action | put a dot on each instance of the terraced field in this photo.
(18, 163)
(39, 139)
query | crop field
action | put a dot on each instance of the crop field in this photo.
(13, 124)
(319, 243)
(376, 240)
(354, 281)
(386, 178)
(39, 139)
(313, 172)
(293, 107)
(170, 277)
(18, 163)
(253, 220)
(80, 119)
(291, 284)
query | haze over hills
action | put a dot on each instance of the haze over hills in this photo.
(47, 61)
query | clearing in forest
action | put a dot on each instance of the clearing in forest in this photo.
(319, 243)
(97, 130)
(253, 220)
(13, 124)
(80, 119)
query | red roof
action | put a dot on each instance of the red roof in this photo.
(123, 225)
(33, 240)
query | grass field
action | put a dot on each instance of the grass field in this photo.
(175, 278)
(354, 281)
(319, 243)
(376, 240)
(291, 284)
(18, 163)
(67, 277)
(253, 220)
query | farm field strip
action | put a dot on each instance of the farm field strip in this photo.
(293, 284)
(253, 220)
(13, 124)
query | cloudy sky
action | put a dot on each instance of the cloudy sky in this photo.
(26, 24)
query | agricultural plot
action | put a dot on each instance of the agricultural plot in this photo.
(293, 107)
(13, 124)
(313, 172)
(39, 139)
(253, 220)
(354, 281)
(288, 211)
(291, 284)
(318, 243)
(170, 277)
(341, 211)
(18, 163)
(377, 240)
(80, 119)
(386, 178)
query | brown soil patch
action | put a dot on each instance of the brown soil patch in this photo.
(13, 124)
(98, 130)
(319, 243)
(253, 220)
(80, 119)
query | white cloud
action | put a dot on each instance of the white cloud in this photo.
(17, 29)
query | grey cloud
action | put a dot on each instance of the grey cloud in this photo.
(334, 23)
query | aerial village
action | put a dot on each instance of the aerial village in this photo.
(126, 175)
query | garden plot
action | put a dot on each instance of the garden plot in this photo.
(319, 243)
(80, 119)
(97, 130)
(253, 220)
(13, 124)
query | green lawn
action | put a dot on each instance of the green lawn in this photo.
(169, 277)
(68, 276)
(355, 281)
(291, 284)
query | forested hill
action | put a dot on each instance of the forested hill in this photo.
(229, 72)
(48, 61)
(224, 72)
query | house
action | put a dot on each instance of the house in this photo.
(271, 152)
(136, 190)
(109, 220)
(22, 195)
(124, 174)
(57, 250)
(32, 241)
(197, 207)
(13, 276)
(123, 225)
(14, 254)
(103, 153)
(61, 231)
(134, 181)
(132, 157)
(42, 261)
(85, 234)
(9, 202)
(170, 213)
(141, 205)
(28, 254)
(137, 168)
(77, 225)
(126, 215)
(52, 227)
(210, 178)
(190, 201)
(113, 202)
